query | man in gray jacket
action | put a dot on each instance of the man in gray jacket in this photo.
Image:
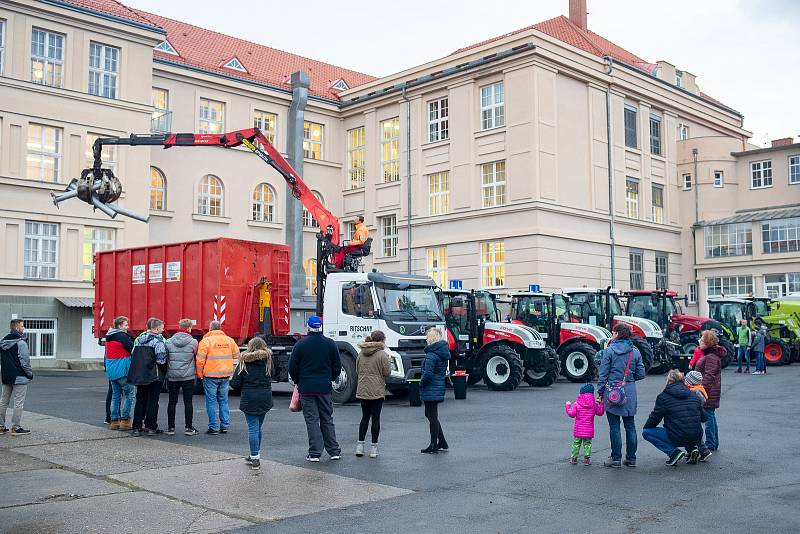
(15, 367)
(182, 349)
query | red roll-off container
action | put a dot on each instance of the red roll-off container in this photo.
(214, 279)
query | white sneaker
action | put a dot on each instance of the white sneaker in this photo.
(373, 450)
(312, 458)
(360, 448)
(336, 457)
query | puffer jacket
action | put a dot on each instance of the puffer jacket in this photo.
(612, 368)
(372, 368)
(584, 409)
(149, 354)
(759, 340)
(682, 413)
(15, 359)
(434, 368)
(253, 377)
(711, 367)
(217, 355)
(182, 348)
(118, 353)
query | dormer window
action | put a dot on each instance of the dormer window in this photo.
(679, 78)
(340, 85)
(235, 64)
(165, 46)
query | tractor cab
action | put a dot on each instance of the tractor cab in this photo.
(663, 307)
(728, 312)
(542, 311)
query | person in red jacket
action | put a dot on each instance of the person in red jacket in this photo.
(710, 365)
(584, 411)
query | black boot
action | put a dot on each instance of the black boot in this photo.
(443, 446)
(431, 449)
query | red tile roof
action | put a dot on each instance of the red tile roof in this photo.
(209, 50)
(111, 7)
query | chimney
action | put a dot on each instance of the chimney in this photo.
(577, 13)
(782, 142)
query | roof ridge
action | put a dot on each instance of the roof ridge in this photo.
(581, 33)
(134, 12)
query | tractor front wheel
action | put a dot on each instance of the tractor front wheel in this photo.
(577, 362)
(542, 379)
(646, 350)
(502, 368)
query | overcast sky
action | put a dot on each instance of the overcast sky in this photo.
(745, 53)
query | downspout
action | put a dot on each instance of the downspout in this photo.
(694, 227)
(294, 210)
(610, 145)
(408, 173)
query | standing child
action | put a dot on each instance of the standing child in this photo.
(253, 374)
(693, 381)
(583, 411)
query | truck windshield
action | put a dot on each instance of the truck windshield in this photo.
(417, 303)
(727, 313)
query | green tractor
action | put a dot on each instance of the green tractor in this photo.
(780, 316)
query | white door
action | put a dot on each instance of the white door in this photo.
(775, 289)
(89, 346)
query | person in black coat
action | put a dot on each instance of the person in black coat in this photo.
(682, 412)
(432, 387)
(253, 375)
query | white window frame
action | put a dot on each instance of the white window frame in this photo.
(106, 69)
(439, 193)
(780, 235)
(36, 241)
(493, 106)
(48, 62)
(356, 144)
(626, 111)
(35, 328)
(350, 231)
(794, 170)
(683, 132)
(108, 154)
(2, 45)
(687, 182)
(161, 189)
(98, 239)
(692, 293)
(41, 154)
(234, 64)
(266, 122)
(493, 270)
(656, 135)
(438, 120)
(311, 146)
(166, 46)
(209, 122)
(161, 116)
(657, 211)
(679, 78)
(632, 202)
(662, 278)
(719, 178)
(636, 266)
(308, 220)
(728, 240)
(493, 184)
(730, 286)
(760, 174)
(263, 203)
(437, 264)
(390, 149)
(388, 226)
(206, 197)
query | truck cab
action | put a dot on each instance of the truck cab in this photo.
(403, 306)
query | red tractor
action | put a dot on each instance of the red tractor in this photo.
(575, 343)
(501, 354)
(663, 308)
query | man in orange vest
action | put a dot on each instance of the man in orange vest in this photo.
(217, 356)
(361, 233)
(354, 247)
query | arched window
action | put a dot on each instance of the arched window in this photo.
(209, 196)
(308, 220)
(264, 203)
(311, 276)
(158, 190)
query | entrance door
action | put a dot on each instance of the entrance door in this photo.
(89, 346)
(775, 289)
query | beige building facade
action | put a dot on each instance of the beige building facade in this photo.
(489, 166)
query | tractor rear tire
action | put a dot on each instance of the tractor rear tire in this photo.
(577, 362)
(502, 368)
(473, 378)
(729, 349)
(541, 379)
(776, 352)
(646, 350)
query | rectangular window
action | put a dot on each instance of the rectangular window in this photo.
(439, 193)
(95, 240)
(2, 45)
(687, 182)
(266, 123)
(351, 231)
(493, 107)
(730, 286)
(780, 285)
(41, 337)
(493, 268)
(658, 203)
(43, 161)
(692, 296)
(655, 135)
(637, 270)
(312, 140)
(662, 272)
(729, 240)
(103, 70)
(632, 198)
(212, 116)
(781, 235)
(794, 169)
(355, 157)
(683, 132)
(390, 149)
(761, 174)
(161, 121)
(438, 123)
(493, 184)
(719, 179)
(679, 78)
(437, 265)
(630, 127)
(109, 154)
(388, 226)
(41, 250)
(47, 58)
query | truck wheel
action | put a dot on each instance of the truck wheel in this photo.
(577, 362)
(344, 387)
(542, 379)
(776, 352)
(729, 349)
(646, 350)
(502, 368)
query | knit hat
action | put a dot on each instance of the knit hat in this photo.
(314, 323)
(693, 378)
(587, 388)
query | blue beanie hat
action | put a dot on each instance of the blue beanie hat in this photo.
(587, 388)
(314, 322)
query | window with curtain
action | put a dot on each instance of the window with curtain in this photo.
(493, 268)
(439, 193)
(158, 190)
(312, 140)
(658, 203)
(355, 157)
(437, 265)
(632, 198)
(212, 116)
(390, 149)
(493, 184)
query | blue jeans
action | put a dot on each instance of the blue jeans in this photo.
(742, 354)
(712, 432)
(254, 423)
(760, 364)
(216, 390)
(659, 438)
(616, 437)
(120, 387)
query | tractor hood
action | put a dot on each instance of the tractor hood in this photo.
(641, 327)
(514, 333)
(688, 322)
(597, 334)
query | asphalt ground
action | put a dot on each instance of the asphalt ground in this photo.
(507, 470)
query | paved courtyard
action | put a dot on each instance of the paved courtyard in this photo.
(506, 471)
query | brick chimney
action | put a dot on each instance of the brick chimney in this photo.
(577, 13)
(782, 142)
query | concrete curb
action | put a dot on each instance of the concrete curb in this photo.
(73, 365)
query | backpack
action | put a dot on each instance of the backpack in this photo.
(615, 394)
